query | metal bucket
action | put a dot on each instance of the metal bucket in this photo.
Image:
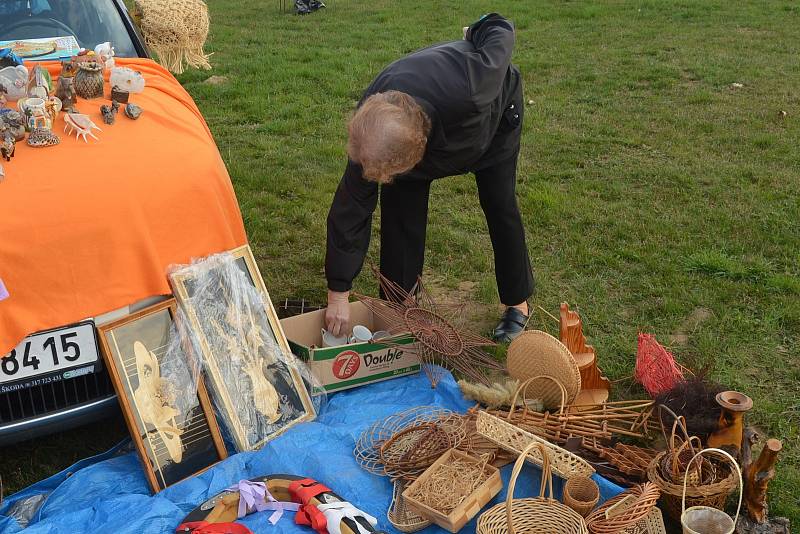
(704, 519)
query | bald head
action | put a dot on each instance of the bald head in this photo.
(387, 135)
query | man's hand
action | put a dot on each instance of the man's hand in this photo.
(337, 316)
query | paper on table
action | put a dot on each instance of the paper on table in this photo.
(44, 49)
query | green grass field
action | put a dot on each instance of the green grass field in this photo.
(657, 195)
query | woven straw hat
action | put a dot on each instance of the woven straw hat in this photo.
(534, 353)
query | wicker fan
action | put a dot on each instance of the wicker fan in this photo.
(438, 341)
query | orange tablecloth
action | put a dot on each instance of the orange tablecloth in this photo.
(89, 228)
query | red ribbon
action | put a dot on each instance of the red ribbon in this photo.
(309, 515)
(204, 527)
(303, 491)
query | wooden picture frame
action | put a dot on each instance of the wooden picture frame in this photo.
(173, 427)
(216, 354)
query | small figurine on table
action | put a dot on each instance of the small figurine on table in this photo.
(65, 90)
(109, 113)
(40, 84)
(7, 145)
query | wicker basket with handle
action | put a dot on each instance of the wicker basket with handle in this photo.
(633, 511)
(514, 439)
(533, 514)
(709, 482)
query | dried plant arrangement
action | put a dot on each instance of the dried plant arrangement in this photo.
(440, 341)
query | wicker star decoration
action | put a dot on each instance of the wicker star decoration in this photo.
(438, 342)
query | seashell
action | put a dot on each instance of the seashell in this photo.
(127, 79)
(105, 52)
(132, 111)
(81, 124)
(15, 80)
(40, 137)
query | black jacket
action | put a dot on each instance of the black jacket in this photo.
(465, 87)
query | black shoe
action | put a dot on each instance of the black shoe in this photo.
(301, 7)
(512, 323)
(314, 5)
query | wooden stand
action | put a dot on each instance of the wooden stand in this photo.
(758, 474)
(594, 386)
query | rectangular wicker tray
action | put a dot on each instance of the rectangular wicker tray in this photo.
(514, 439)
(469, 508)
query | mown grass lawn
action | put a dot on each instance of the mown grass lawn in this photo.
(657, 195)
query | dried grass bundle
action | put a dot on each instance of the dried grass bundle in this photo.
(496, 395)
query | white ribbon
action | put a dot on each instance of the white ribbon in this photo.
(336, 511)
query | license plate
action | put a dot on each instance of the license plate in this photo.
(51, 352)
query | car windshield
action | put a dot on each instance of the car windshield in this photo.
(91, 22)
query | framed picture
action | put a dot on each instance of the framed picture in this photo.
(244, 350)
(171, 421)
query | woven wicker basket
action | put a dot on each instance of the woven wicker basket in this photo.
(633, 511)
(713, 495)
(401, 516)
(705, 519)
(534, 514)
(536, 353)
(581, 494)
(514, 439)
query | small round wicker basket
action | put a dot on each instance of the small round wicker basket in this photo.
(532, 514)
(581, 494)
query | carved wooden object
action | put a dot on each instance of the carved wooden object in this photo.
(758, 474)
(730, 427)
(594, 386)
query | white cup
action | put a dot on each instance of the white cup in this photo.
(329, 340)
(361, 334)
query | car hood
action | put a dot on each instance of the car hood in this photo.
(88, 227)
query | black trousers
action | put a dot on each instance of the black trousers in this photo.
(404, 220)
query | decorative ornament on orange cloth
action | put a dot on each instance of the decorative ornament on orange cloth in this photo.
(89, 80)
(41, 137)
(81, 124)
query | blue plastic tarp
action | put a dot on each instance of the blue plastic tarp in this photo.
(109, 493)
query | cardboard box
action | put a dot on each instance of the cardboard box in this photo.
(348, 366)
